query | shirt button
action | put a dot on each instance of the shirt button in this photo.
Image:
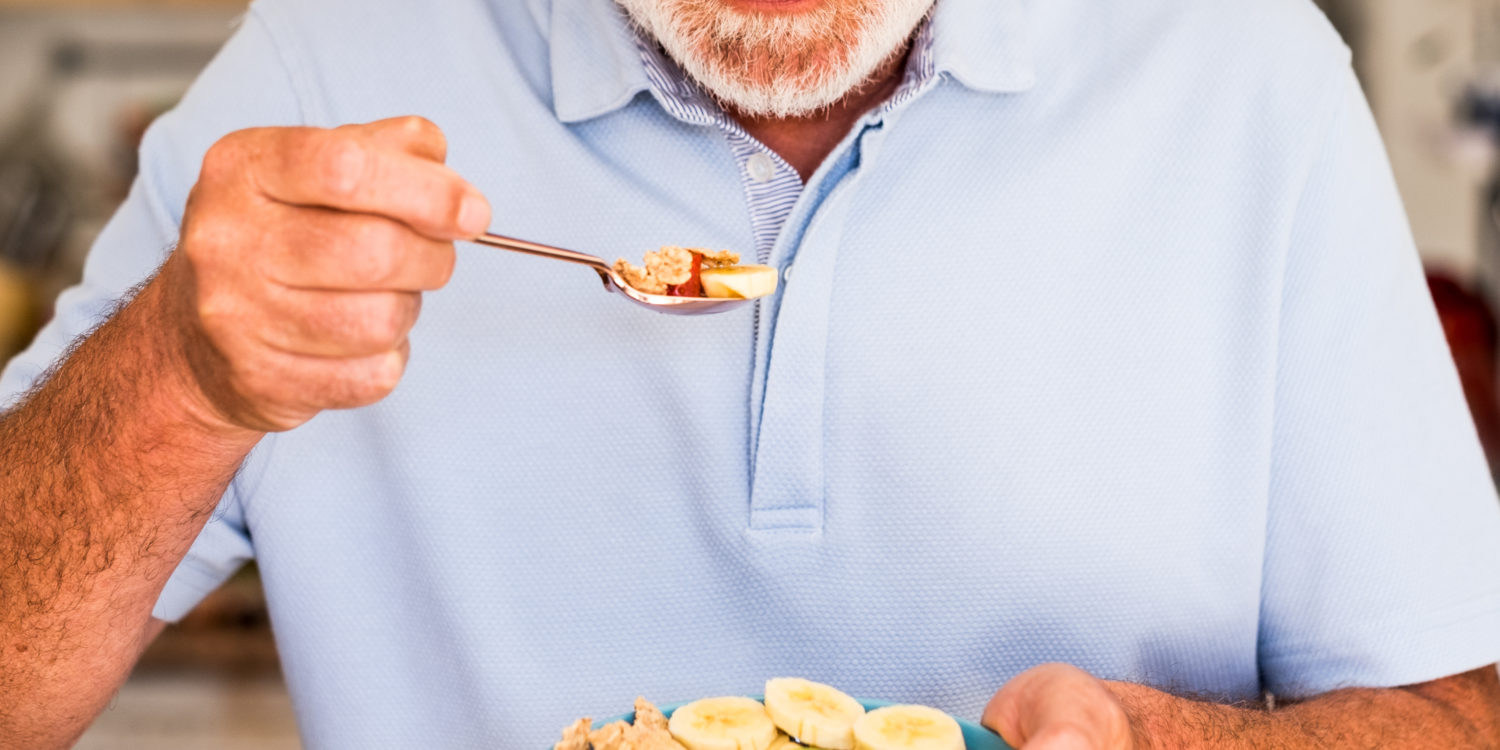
(760, 167)
(786, 273)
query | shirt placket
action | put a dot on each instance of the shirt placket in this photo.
(772, 187)
(787, 479)
(786, 430)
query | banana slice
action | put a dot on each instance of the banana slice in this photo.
(783, 742)
(738, 282)
(814, 713)
(907, 728)
(730, 723)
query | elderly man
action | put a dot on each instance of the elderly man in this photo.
(1101, 397)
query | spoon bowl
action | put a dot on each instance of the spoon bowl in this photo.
(613, 282)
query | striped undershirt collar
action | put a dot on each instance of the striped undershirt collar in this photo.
(772, 186)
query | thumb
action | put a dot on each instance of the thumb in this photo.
(1057, 707)
(1060, 737)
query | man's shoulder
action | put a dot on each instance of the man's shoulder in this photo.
(1261, 62)
(1282, 18)
(1263, 33)
(358, 60)
(385, 19)
(1258, 34)
(1284, 30)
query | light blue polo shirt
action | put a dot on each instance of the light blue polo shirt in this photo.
(1107, 345)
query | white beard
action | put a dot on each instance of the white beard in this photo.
(779, 65)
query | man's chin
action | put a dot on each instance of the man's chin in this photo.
(789, 7)
(776, 100)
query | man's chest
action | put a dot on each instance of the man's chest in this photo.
(980, 332)
(973, 432)
(1014, 404)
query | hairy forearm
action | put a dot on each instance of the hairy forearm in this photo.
(1456, 712)
(108, 470)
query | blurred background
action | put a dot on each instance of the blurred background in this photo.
(80, 80)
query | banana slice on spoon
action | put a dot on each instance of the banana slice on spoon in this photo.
(907, 728)
(739, 282)
(728, 723)
(813, 713)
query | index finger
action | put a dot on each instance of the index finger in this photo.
(346, 170)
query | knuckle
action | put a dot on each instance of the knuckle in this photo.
(341, 162)
(386, 325)
(375, 256)
(1073, 735)
(196, 242)
(365, 326)
(387, 372)
(214, 311)
(221, 159)
(193, 209)
(337, 325)
(413, 125)
(370, 379)
(204, 230)
(423, 132)
(419, 127)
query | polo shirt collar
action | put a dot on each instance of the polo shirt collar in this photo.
(983, 44)
(597, 67)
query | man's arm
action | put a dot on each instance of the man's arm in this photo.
(298, 277)
(1059, 707)
(107, 472)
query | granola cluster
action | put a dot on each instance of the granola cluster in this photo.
(649, 732)
(670, 266)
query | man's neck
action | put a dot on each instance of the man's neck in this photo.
(804, 142)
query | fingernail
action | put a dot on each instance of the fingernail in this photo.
(474, 215)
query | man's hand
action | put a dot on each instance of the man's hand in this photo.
(303, 256)
(298, 275)
(1059, 707)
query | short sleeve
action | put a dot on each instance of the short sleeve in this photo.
(1382, 553)
(245, 86)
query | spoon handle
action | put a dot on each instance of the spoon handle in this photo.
(545, 251)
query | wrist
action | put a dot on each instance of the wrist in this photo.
(175, 363)
(1134, 705)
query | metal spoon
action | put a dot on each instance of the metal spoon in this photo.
(614, 282)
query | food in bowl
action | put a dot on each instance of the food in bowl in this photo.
(795, 714)
(697, 272)
(649, 732)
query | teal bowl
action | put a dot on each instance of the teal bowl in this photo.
(976, 737)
